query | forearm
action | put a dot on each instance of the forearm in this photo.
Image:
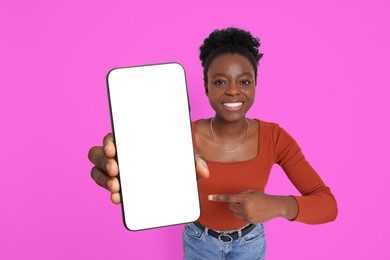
(317, 208)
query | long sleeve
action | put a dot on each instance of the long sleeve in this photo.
(317, 204)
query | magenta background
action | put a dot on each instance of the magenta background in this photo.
(324, 78)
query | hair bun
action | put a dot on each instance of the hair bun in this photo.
(230, 37)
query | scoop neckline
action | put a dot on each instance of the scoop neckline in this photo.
(235, 162)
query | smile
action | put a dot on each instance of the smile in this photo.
(235, 104)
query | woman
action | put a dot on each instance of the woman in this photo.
(240, 153)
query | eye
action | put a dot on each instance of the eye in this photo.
(245, 82)
(220, 82)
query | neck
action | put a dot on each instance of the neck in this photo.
(229, 129)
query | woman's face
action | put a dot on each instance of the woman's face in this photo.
(231, 86)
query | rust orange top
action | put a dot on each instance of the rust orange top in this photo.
(316, 204)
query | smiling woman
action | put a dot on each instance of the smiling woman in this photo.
(231, 86)
(234, 158)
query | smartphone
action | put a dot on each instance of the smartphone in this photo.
(151, 125)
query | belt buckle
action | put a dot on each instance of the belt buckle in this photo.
(225, 235)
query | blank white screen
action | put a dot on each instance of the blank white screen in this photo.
(152, 129)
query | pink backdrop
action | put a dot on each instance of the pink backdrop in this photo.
(324, 78)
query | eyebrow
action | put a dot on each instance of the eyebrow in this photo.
(224, 75)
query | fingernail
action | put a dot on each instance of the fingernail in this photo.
(106, 149)
(108, 166)
(204, 163)
(109, 184)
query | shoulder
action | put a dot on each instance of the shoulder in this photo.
(200, 123)
(274, 132)
(268, 127)
(266, 124)
(201, 127)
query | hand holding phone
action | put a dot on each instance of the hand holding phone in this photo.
(152, 134)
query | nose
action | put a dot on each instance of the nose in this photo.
(233, 89)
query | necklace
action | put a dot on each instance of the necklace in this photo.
(229, 151)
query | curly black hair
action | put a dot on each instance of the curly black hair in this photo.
(229, 40)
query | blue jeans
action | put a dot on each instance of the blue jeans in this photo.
(199, 245)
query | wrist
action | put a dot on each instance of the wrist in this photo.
(288, 207)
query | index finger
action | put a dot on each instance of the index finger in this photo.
(237, 198)
(109, 146)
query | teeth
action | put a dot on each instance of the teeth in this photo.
(236, 104)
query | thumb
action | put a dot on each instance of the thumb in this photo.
(202, 170)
